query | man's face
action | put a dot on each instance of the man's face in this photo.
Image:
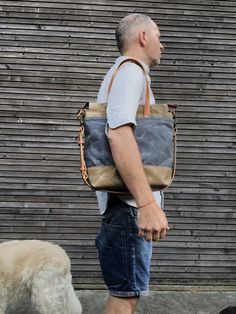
(154, 47)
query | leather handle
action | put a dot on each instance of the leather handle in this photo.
(146, 111)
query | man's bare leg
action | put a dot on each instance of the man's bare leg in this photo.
(116, 305)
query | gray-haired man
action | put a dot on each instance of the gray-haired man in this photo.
(131, 223)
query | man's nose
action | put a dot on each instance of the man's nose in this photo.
(162, 47)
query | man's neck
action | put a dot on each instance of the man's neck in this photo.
(136, 55)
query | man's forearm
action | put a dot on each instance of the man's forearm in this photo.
(128, 161)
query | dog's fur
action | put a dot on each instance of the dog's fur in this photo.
(37, 272)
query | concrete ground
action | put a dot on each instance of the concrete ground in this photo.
(168, 300)
(177, 300)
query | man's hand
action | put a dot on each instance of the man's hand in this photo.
(152, 222)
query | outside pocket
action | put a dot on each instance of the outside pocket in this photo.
(111, 246)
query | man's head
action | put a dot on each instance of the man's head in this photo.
(138, 36)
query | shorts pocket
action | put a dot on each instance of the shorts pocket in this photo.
(111, 246)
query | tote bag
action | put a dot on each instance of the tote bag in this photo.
(155, 135)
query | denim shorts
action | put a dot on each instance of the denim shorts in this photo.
(124, 256)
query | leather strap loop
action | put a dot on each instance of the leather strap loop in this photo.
(146, 112)
(83, 167)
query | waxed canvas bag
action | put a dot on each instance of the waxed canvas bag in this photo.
(155, 135)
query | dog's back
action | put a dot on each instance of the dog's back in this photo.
(24, 258)
(40, 267)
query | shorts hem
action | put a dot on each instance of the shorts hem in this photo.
(128, 294)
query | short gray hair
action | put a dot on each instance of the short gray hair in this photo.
(126, 26)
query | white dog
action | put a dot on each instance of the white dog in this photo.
(36, 272)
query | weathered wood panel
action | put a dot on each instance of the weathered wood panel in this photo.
(54, 55)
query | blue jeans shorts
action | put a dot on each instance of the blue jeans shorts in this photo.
(124, 256)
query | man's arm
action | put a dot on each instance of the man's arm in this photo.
(152, 220)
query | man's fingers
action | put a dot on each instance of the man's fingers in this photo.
(163, 234)
(152, 235)
(155, 236)
(147, 235)
(142, 233)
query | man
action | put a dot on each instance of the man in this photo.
(131, 223)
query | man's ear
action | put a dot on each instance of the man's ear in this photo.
(142, 36)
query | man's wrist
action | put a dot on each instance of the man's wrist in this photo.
(147, 204)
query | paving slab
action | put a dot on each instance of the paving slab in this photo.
(179, 300)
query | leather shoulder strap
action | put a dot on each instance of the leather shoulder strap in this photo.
(147, 92)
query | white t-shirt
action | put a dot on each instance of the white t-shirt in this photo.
(127, 93)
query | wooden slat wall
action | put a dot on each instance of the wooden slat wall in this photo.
(54, 55)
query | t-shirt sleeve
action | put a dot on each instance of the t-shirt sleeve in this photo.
(125, 96)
